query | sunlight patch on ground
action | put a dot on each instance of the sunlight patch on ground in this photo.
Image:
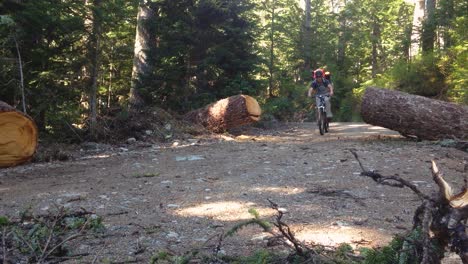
(224, 211)
(243, 138)
(279, 190)
(335, 235)
(377, 128)
(100, 156)
(358, 125)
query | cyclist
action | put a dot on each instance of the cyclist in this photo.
(321, 86)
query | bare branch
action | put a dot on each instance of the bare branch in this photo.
(4, 246)
(393, 181)
(300, 248)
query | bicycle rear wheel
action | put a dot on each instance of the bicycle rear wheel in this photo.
(327, 124)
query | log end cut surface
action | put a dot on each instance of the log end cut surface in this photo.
(227, 113)
(18, 138)
(253, 108)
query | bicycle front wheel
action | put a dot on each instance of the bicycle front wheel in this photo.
(321, 121)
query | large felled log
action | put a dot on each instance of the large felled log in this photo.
(227, 113)
(413, 115)
(18, 136)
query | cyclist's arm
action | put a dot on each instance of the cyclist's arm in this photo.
(330, 86)
(311, 91)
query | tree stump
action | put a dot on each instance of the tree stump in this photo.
(18, 136)
(227, 113)
(413, 115)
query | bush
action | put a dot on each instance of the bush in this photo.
(292, 104)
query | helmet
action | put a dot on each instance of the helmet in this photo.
(318, 73)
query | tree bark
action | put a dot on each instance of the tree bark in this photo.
(342, 39)
(272, 51)
(227, 113)
(375, 39)
(145, 44)
(418, 15)
(413, 115)
(429, 27)
(18, 136)
(20, 68)
(307, 38)
(94, 58)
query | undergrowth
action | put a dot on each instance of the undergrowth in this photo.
(44, 238)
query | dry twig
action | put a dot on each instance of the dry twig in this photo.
(393, 181)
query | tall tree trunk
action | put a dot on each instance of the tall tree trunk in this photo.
(341, 40)
(307, 38)
(145, 43)
(272, 50)
(418, 15)
(375, 38)
(20, 68)
(94, 54)
(429, 27)
(446, 18)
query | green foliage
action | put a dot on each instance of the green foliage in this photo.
(164, 257)
(399, 250)
(255, 221)
(455, 65)
(385, 255)
(344, 249)
(291, 104)
(421, 77)
(204, 54)
(4, 221)
(211, 49)
(259, 257)
(428, 75)
(280, 108)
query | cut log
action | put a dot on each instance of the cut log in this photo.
(18, 136)
(227, 113)
(413, 115)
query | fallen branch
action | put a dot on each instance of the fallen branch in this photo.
(443, 216)
(301, 249)
(5, 235)
(393, 181)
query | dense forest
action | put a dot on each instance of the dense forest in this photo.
(69, 62)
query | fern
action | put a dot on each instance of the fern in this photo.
(256, 220)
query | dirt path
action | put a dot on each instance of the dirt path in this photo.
(176, 196)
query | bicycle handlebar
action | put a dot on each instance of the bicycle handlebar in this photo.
(319, 95)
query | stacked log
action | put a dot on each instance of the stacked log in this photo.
(413, 115)
(227, 113)
(18, 136)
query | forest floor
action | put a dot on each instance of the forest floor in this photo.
(177, 196)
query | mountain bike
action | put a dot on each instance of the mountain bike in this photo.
(322, 120)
